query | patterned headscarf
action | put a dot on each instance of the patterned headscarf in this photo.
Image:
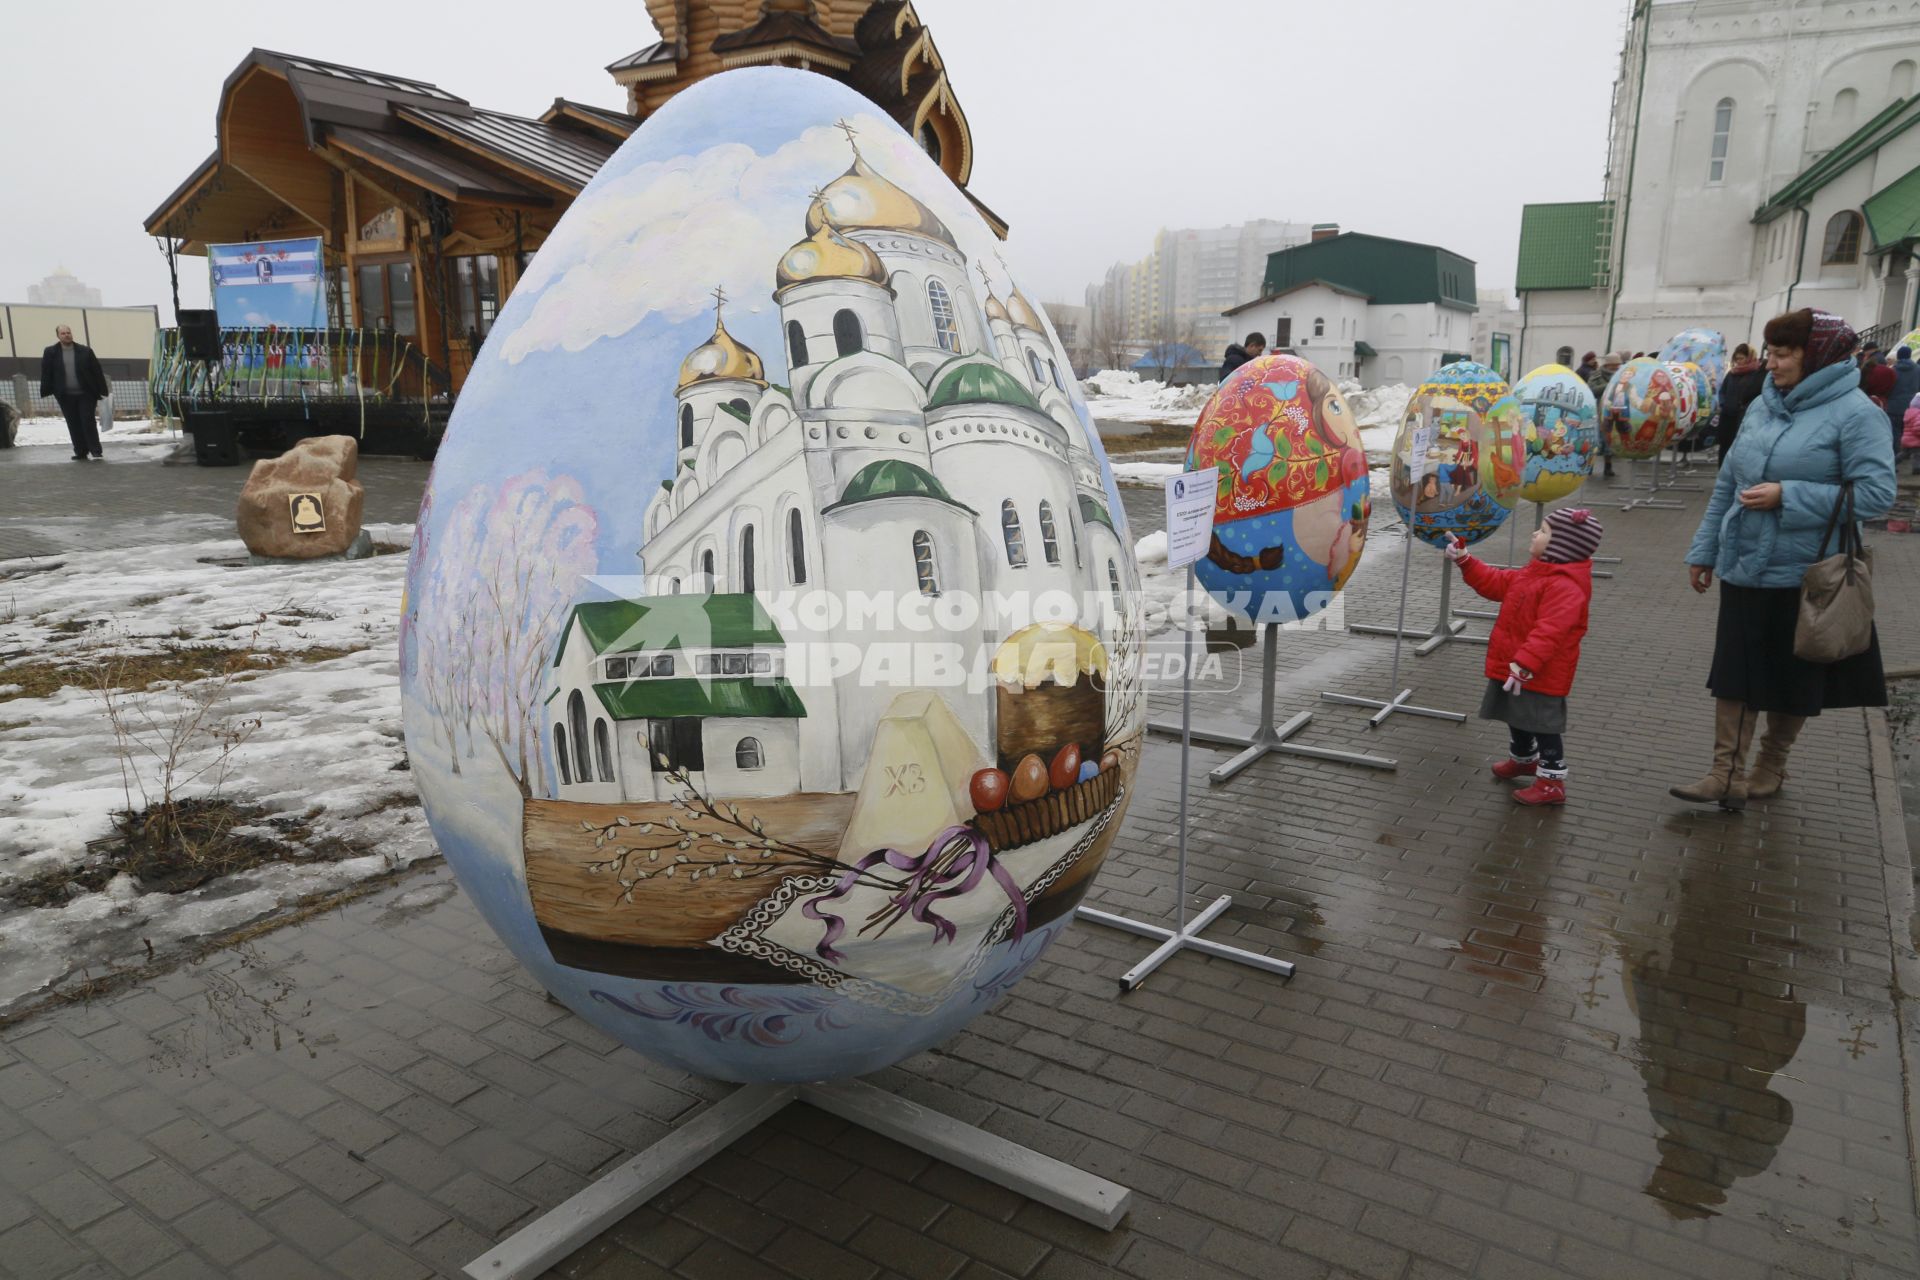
(1831, 341)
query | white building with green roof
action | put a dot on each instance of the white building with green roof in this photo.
(1763, 157)
(924, 447)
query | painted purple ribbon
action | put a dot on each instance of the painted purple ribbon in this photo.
(932, 876)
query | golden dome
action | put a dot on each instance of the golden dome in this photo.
(826, 254)
(862, 200)
(994, 310)
(721, 356)
(1021, 312)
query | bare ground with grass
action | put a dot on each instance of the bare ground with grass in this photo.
(173, 663)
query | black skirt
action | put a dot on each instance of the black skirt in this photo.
(1527, 711)
(1754, 663)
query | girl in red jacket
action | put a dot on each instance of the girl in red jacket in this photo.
(1535, 647)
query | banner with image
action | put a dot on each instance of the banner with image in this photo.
(267, 283)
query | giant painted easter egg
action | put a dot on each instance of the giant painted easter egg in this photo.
(1561, 430)
(1911, 342)
(770, 521)
(1641, 409)
(1291, 516)
(1706, 349)
(1687, 382)
(1461, 455)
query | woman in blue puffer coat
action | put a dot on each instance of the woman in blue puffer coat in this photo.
(1810, 431)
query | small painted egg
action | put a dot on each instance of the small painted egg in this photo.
(988, 790)
(1066, 767)
(1029, 780)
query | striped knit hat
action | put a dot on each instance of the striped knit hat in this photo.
(1576, 535)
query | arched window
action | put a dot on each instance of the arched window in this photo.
(602, 751)
(560, 755)
(796, 345)
(1033, 363)
(1049, 535)
(924, 566)
(1900, 83)
(1846, 104)
(929, 140)
(1053, 367)
(746, 559)
(847, 337)
(1319, 326)
(686, 426)
(673, 587)
(1722, 131)
(577, 725)
(1843, 239)
(796, 548)
(749, 754)
(1015, 539)
(741, 407)
(1113, 582)
(706, 569)
(945, 331)
(1397, 325)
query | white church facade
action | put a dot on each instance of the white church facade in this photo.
(924, 449)
(1763, 156)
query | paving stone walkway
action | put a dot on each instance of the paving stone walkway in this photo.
(1629, 1039)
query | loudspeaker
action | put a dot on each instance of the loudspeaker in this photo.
(215, 443)
(200, 334)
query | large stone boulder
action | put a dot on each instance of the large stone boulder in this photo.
(276, 519)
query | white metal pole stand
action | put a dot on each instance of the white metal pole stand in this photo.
(1673, 481)
(1398, 702)
(539, 1246)
(1267, 739)
(1652, 499)
(1184, 936)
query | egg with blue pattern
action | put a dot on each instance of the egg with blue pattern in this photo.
(1460, 458)
(1642, 407)
(1562, 430)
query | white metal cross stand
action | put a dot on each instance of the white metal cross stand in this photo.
(537, 1247)
(1446, 628)
(1398, 702)
(1189, 526)
(1268, 738)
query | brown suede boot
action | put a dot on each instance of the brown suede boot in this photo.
(1726, 783)
(1770, 765)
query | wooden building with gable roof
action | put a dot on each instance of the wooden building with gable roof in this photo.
(428, 206)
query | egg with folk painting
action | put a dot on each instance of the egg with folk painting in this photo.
(1562, 432)
(770, 558)
(1292, 505)
(1644, 408)
(1460, 457)
(1706, 351)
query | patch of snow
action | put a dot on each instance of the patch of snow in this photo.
(1150, 473)
(1121, 395)
(328, 740)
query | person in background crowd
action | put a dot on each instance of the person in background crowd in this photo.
(1910, 433)
(71, 374)
(1810, 433)
(1906, 382)
(1252, 348)
(1597, 383)
(1877, 381)
(1737, 391)
(1589, 365)
(1535, 648)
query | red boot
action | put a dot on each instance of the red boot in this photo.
(1549, 787)
(1509, 769)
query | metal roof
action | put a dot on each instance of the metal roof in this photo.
(373, 79)
(659, 51)
(1389, 271)
(1893, 212)
(567, 158)
(595, 117)
(1560, 245)
(1857, 146)
(430, 165)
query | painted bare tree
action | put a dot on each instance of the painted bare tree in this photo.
(509, 564)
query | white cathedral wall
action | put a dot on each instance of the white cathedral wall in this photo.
(872, 543)
(814, 303)
(705, 398)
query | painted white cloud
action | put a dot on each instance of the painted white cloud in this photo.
(660, 238)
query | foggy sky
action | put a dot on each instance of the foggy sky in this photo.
(1095, 122)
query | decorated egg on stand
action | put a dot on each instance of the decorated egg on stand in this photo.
(1687, 412)
(1911, 342)
(1562, 432)
(1290, 515)
(1706, 351)
(1640, 411)
(1460, 458)
(735, 821)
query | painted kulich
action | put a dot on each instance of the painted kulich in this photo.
(1290, 519)
(1706, 351)
(1460, 458)
(718, 683)
(1562, 429)
(1642, 409)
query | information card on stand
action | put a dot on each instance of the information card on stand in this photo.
(1190, 499)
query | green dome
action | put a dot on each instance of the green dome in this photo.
(1095, 512)
(894, 478)
(982, 384)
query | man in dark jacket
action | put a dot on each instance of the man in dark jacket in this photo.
(1597, 383)
(71, 374)
(1906, 383)
(1239, 353)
